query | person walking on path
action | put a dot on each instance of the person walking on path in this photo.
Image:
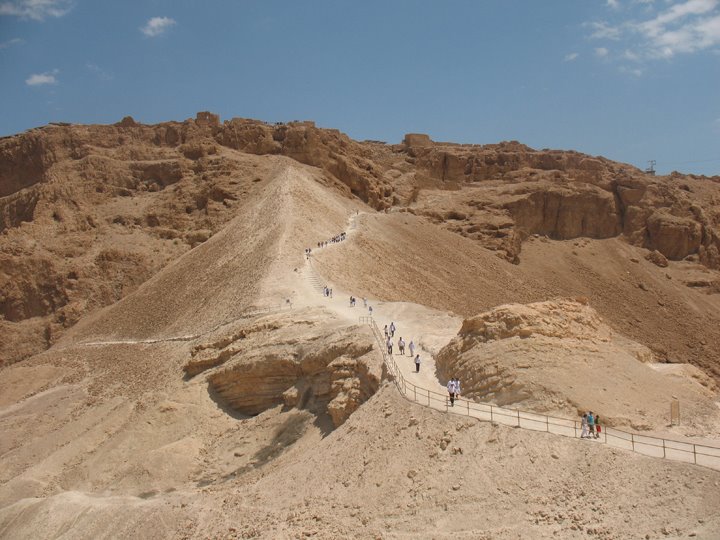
(591, 424)
(392, 329)
(364, 302)
(457, 388)
(412, 347)
(417, 363)
(451, 391)
(597, 426)
(389, 345)
(370, 310)
(401, 346)
(584, 426)
(385, 329)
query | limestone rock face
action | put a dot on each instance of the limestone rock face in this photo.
(280, 361)
(675, 237)
(508, 191)
(564, 214)
(565, 318)
(561, 358)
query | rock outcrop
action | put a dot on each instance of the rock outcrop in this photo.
(561, 358)
(289, 362)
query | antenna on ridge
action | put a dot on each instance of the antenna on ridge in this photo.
(651, 169)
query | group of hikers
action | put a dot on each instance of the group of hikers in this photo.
(334, 240)
(327, 291)
(590, 425)
(390, 334)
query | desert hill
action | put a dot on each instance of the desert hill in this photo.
(88, 213)
(171, 369)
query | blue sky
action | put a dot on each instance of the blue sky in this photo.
(632, 80)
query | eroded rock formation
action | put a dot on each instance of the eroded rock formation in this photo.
(291, 362)
(560, 357)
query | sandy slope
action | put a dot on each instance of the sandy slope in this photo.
(396, 470)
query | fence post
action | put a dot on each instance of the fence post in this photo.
(694, 455)
(428, 393)
(632, 441)
(547, 424)
(518, 416)
(491, 417)
(414, 393)
(467, 402)
(664, 447)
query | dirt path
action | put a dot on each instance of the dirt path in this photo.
(429, 329)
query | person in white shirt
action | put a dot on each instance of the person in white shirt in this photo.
(392, 329)
(451, 391)
(412, 347)
(389, 345)
(401, 346)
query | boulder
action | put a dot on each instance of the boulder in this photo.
(657, 258)
(675, 237)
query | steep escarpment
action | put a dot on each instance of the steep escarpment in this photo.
(501, 194)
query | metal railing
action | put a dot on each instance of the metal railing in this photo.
(698, 454)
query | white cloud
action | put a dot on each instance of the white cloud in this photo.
(613, 4)
(9, 43)
(676, 12)
(37, 10)
(602, 30)
(157, 25)
(601, 52)
(676, 27)
(40, 79)
(685, 27)
(570, 57)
